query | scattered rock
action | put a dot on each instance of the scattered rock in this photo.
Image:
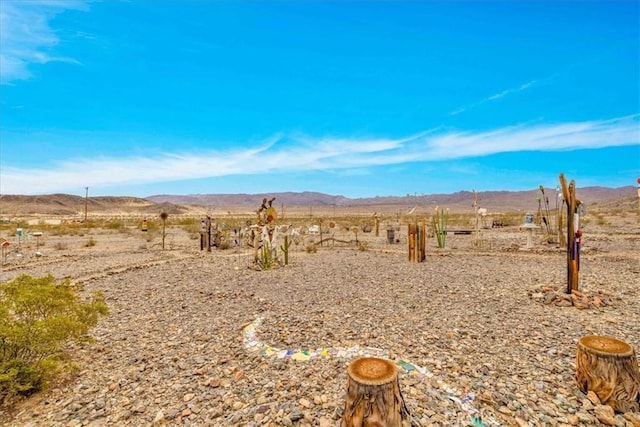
(605, 414)
(173, 351)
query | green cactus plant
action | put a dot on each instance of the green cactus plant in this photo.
(285, 249)
(440, 226)
(267, 259)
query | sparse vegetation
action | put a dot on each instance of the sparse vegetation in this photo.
(60, 246)
(38, 317)
(114, 224)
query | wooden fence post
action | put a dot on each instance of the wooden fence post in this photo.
(423, 240)
(411, 237)
(416, 238)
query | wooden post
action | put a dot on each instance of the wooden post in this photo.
(373, 397)
(423, 240)
(573, 243)
(256, 243)
(609, 368)
(207, 237)
(416, 238)
(561, 237)
(411, 235)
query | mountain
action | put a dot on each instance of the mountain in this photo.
(65, 204)
(488, 199)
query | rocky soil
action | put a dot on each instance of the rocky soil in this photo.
(200, 338)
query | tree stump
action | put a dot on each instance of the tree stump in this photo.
(373, 396)
(609, 368)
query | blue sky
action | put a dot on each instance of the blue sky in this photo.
(358, 98)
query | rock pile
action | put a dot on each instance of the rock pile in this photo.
(550, 295)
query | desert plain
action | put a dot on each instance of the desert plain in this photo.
(482, 331)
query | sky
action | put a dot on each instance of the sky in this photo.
(353, 98)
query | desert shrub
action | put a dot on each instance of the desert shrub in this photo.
(362, 246)
(60, 246)
(38, 317)
(90, 243)
(114, 224)
(509, 219)
(600, 219)
(312, 248)
(188, 222)
(152, 226)
(192, 230)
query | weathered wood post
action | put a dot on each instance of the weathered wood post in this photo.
(411, 238)
(417, 237)
(573, 234)
(207, 236)
(256, 243)
(423, 240)
(376, 221)
(561, 236)
(609, 368)
(373, 396)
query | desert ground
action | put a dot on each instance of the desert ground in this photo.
(207, 338)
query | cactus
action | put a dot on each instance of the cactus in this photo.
(440, 226)
(267, 260)
(285, 249)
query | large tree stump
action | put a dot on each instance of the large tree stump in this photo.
(609, 368)
(373, 396)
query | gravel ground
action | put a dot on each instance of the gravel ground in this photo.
(199, 339)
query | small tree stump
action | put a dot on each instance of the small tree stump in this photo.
(609, 368)
(373, 397)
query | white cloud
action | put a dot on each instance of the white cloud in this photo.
(306, 153)
(26, 37)
(508, 91)
(494, 97)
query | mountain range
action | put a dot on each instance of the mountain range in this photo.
(65, 204)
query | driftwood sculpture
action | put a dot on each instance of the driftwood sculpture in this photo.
(373, 397)
(609, 368)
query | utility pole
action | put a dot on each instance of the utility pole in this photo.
(86, 198)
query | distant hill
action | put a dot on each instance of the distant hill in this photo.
(68, 205)
(488, 199)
